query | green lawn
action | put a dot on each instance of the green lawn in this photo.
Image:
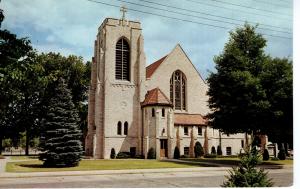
(23, 157)
(36, 165)
(235, 161)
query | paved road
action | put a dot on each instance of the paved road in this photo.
(207, 178)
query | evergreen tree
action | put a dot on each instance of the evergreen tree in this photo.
(213, 150)
(112, 154)
(198, 149)
(246, 175)
(151, 154)
(176, 153)
(61, 144)
(219, 150)
(266, 155)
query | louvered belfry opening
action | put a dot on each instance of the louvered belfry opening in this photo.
(122, 71)
(178, 90)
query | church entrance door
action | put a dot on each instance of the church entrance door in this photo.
(163, 148)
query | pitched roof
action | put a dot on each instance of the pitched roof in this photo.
(152, 67)
(156, 97)
(189, 119)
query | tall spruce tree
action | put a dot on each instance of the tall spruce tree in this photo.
(61, 145)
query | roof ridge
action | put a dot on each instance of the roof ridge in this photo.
(150, 69)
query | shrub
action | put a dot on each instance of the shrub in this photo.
(198, 149)
(176, 153)
(183, 156)
(266, 156)
(139, 157)
(123, 155)
(210, 155)
(246, 174)
(219, 151)
(213, 150)
(151, 154)
(281, 154)
(112, 154)
(275, 159)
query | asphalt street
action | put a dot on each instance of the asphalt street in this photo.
(207, 178)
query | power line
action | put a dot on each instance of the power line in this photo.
(248, 7)
(180, 19)
(222, 7)
(208, 14)
(274, 4)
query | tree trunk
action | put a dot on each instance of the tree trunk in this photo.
(27, 142)
(1, 138)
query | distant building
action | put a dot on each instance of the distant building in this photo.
(133, 108)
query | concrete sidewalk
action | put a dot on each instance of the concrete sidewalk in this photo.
(109, 172)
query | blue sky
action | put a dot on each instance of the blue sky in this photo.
(70, 26)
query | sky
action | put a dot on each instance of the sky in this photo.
(201, 27)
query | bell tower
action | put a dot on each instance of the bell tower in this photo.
(117, 89)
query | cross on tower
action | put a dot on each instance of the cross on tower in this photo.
(123, 9)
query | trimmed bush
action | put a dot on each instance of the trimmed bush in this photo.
(112, 154)
(151, 154)
(176, 153)
(275, 159)
(213, 150)
(281, 154)
(219, 151)
(266, 156)
(139, 157)
(123, 155)
(210, 155)
(198, 149)
(183, 156)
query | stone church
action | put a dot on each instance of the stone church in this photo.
(133, 108)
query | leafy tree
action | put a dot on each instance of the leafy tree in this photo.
(176, 153)
(277, 80)
(237, 97)
(198, 149)
(61, 145)
(151, 154)
(247, 175)
(251, 92)
(19, 85)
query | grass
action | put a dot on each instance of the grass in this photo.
(23, 157)
(85, 165)
(235, 161)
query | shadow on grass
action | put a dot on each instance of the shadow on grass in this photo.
(32, 165)
(192, 163)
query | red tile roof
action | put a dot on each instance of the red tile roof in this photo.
(156, 97)
(152, 67)
(189, 119)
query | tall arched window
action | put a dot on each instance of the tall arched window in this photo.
(119, 132)
(122, 60)
(125, 128)
(177, 90)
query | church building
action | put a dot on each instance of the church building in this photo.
(133, 108)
